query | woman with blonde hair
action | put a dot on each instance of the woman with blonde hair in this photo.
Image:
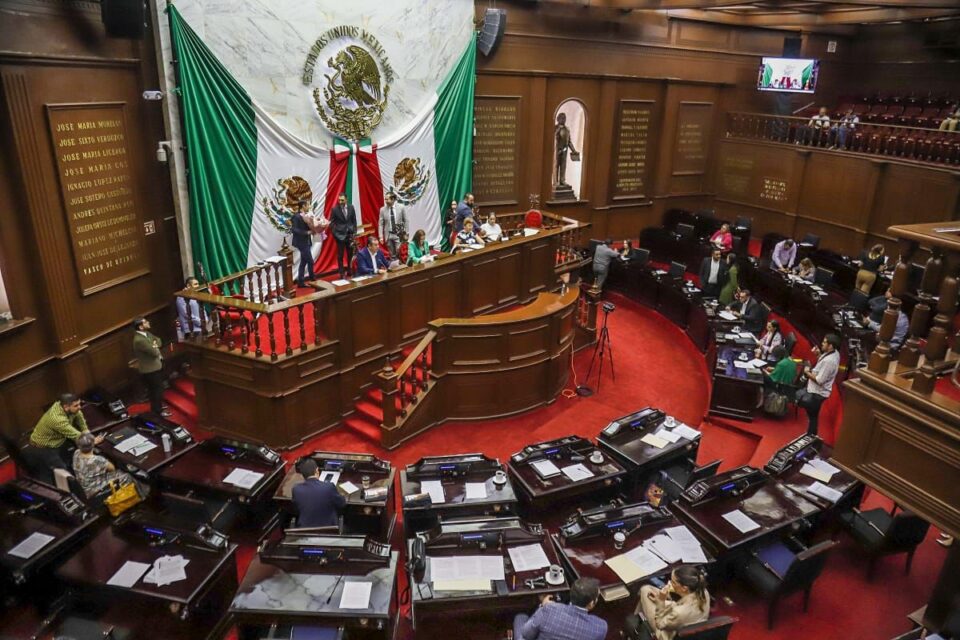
(871, 264)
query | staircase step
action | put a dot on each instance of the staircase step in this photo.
(364, 428)
(370, 410)
(185, 386)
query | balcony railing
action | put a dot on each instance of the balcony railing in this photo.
(909, 143)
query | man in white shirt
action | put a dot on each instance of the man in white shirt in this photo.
(713, 274)
(820, 380)
(818, 127)
(490, 229)
(784, 254)
(845, 127)
(393, 224)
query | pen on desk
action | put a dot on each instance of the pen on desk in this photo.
(334, 590)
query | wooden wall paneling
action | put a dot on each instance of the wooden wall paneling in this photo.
(411, 299)
(509, 286)
(911, 194)
(446, 301)
(692, 146)
(481, 286)
(839, 192)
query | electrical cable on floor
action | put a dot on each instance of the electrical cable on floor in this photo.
(571, 393)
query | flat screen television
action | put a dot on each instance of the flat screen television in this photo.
(793, 75)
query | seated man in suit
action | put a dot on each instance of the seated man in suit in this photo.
(318, 503)
(713, 274)
(371, 260)
(554, 621)
(750, 311)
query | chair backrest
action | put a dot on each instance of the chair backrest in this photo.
(906, 531)
(807, 566)
(823, 276)
(640, 256)
(743, 222)
(715, 628)
(677, 269)
(811, 239)
(704, 471)
(685, 231)
(859, 301)
(789, 342)
(533, 219)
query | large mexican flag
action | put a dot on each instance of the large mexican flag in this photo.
(245, 171)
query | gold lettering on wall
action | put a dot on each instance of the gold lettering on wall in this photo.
(630, 166)
(773, 189)
(735, 175)
(98, 193)
(693, 135)
(495, 149)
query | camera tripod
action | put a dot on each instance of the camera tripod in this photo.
(603, 347)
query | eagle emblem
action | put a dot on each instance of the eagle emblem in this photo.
(285, 201)
(354, 96)
(410, 179)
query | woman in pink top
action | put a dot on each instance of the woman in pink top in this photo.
(723, 239)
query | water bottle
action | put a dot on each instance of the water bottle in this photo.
(167, 443)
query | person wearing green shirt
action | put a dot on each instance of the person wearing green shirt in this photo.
(55, 432)
(731, 286)
(419, 249)
(783, 374)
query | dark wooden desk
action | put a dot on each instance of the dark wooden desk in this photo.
(850, 487)
(143, 466)
(640, 459)
(772, 505)
(188, 609)
(541, 494)
(31, 507)
(361, 516)
(306, 594)
(735, 390)
(500, 500)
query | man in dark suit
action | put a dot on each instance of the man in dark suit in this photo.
(318, 503)
(371, 261)
(464, 211)
(713, 274)
(302, 242)
(750, 311)
(343, 219)
(149, 358)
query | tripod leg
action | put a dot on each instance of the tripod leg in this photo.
(593, 358)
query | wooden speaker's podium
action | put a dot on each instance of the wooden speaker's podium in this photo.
(278, 369)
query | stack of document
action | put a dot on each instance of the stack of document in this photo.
(687, 544)
(545, 468)
(819, 470)
(654, 441)
(577, 472)
(741, 521)
(664, 547)
(356, 595)
(29, 546)
(243, 478)
(686, 431)
(528, 557)
(727, 315)
(465, 573)
(669, 436)
(476, 490)
(635, 564)
(166, 570)
(135, 445)
(825, 492)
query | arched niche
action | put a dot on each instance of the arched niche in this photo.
(570, 125)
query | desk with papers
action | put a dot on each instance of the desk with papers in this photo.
(363, 479)
(437, 488)
(318, 582)
(823, 484)
(737, 377)
(563, 471)
(646, 441)
(656, 543)
(139, 450)
(152, 581)
(483, 564)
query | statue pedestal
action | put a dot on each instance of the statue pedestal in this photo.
(563, 192)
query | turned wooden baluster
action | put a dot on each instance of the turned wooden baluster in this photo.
(229, 332)
(402, 388)
(316, 322)
(936, 350)
(244, 335)
(425, 367)
(412, 375)
(203, 320)
(286, 332)
(273, 338)
(265, 283)
(217, 329)
(910, 353)
(239, 284)
(880, 358)
(256, 338)
(302, 313)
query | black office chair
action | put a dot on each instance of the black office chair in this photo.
(743, 222)
(810, 241)
(594, 243)
(881, 534)
(640, 256)
(677, 270)
(789, 342)
(715, 628)
(674, 480)
(859, 301)
(685, 231)
(823, 277)
(794, 572)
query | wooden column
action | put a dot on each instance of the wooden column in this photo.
(880, 358)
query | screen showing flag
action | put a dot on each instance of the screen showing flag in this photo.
(794, 75)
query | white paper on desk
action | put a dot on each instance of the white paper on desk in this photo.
(577, 472)
(348, 487)
(329, 476)
(758, 363)
(690, 548)
(528, 557)
(747, 334)
(340, 282)
(825, 492)
(29, 546)
(466, 568)
(741, 521)
(545, 468)
(686, 432)
(726, 315)
(654, 441)
(476, 490)
(647, 561)
(361, 278)
(664, 547)
(824, 466)
(739, 364)
(356, 595)
(243, 478)
(127, 575)
(135, 445)
(817, 474)
(669, 436)
(167, 569)
(435, 489)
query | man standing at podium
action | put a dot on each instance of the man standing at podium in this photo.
(393, 224)
(343, 219)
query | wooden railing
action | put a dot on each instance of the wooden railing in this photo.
(910, 143)
(254, 312)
